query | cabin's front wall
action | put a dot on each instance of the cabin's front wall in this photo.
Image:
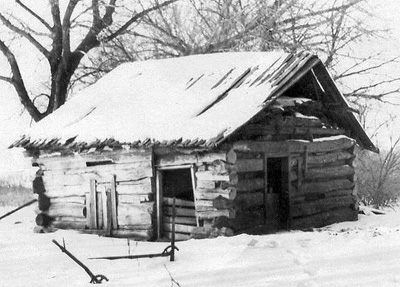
(109, 193)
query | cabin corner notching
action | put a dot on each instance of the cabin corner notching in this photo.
(271, 151)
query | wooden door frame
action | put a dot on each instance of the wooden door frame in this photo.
(159, 191)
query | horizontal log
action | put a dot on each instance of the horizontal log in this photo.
(135, 226)
(212, 213)
(263, 130)
(80, 160)
(142, 186)
(178, 202)
(101, 173)
(250, 185)
(179, 211)
(328, 158)
(232, 177)
(329, 172)
(181, 220)
(244, 201)
(324, 186)
(323, 205)
(179, 228)
(324, 218)
(66, 209)
(241, 165)
(317, 195)
(68, 224)
(68, 199)
(173, 159)
(205, 184)
(43, 220)
(134, 198)
(298, 121)
(210, 194)
(66, 191)
(70, 218)
(326, 144)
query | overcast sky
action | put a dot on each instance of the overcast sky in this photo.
(12, 123)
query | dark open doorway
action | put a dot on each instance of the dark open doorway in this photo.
(277, 194)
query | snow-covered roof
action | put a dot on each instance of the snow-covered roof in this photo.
(192, 101)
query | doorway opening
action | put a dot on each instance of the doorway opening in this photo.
(178, 183)
(277, 193)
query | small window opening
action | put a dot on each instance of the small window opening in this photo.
(100, 162)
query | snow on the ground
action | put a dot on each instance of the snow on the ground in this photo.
(363, 253)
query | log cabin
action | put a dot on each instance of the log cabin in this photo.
(244, 142)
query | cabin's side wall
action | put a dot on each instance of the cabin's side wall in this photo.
(324, 192)
(108, 193)
(321, 179)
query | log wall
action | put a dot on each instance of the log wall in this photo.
(110, 193)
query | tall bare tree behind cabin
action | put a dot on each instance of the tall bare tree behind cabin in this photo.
(67, 33)
(331, 29)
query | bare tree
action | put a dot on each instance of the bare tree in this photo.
(95, 19)
(331, 29)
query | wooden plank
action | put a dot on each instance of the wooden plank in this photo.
(327, 144)
(210, 194)
(129, 214)
(323, 205)
(134, 198)
(70, 199)
(329, 158)
(263, 130)
(113, 202)
(180, 211)
(232, 178)
(66, 209)
(205, 184)
(67, 191)
(330, 172)
(92, 210)
(324, 186)
(212, 213)
(194, 187)
(178, 202)
(79, 161)
(250, 185)
(174, 159)
(142, 186)
(181, 220)
(179, 228)
(159, 200)
(76, 225)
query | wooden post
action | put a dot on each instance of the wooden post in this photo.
(172, 256)
(194, 193)
(265, 187)
(113, 193)
(92, 204)
(159, 201)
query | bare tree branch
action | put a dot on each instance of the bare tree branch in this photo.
(26, 35)
(35, 15)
